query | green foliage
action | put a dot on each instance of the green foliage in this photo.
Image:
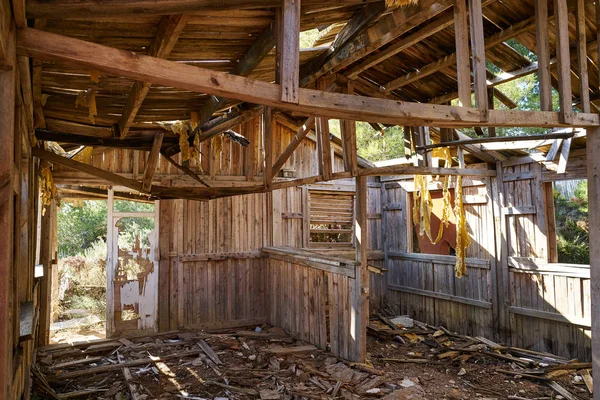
(373, 145)
(572, 226)
(80, 226)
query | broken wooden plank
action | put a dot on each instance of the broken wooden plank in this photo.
(151, 162)
(209, 352)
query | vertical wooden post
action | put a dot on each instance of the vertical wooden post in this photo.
(543, 54)
(46, 240)
(593, 176)
(323, 139)
(584, 83)
(7, 134)
(152, 162)
(289, 51)
(250, 132)
(359, 307)
(478, 51)
(348, 130)
(110, 264)
(491, 94)
(561, 20)
(268, 146)
(165, 223)
(463, 68)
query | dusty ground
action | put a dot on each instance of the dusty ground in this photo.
(270, 365)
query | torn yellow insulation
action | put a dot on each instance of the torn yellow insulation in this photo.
(194, 120)
(444, 153)
(400, 3)
(422, 205)
(95, 76)
(463, 240)
(85, 155)
(87, 98)
(184, 145)
(47, 187)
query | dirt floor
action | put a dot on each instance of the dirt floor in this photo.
(417, 363)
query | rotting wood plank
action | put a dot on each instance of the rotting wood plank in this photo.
(48, 46)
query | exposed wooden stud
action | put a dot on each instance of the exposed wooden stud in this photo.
(565, 94)
(164, 41)
(359, 312)
(493, 92)
(348, 132)
(250, 151)
(296, 140)
(543, 54)
(478, 51)
(461, 37)
(151, 162)
(593, 178)
(289, 63)
(268, 146)
(582, 63)
(324, 148)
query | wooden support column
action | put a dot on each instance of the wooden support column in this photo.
(584, 83)
(151, 162)
(463, 69)
(593, 176)
(289, 50)
(249, 155)
(8, 70)
(478, 51)
(543, 54)
(323, 140)
(561, 21)
(268, 147)
(46, 240)
(359, 307)
(348, 130)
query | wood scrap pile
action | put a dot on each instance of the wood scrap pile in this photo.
(241, 364)
(561, 378)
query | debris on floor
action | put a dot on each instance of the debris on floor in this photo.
(417, 363)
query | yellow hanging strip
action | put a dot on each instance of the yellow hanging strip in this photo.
(463, 240)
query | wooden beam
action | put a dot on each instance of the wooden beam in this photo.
(348, 132)
(249, 129)
(289, 51)
(268, 146)
(7, 207)
(255, 54)
(543, 54)
(164, 41)
(139, 143)
(400, 45)
(48, 46)
(359, 302)
(360, 20)
(386, 30)
(582, 63)
(185, 170)
(565, 93)
(593, 178)
(151, 162)
(54, 9)
(450, 60)
(296, 140)
(403, 169)
(478, 50)
(461, 37)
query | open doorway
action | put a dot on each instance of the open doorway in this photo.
(79, 283)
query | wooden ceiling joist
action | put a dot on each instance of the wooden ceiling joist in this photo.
(116, 8)
(52, 47)
(387, 29)
(164, 41)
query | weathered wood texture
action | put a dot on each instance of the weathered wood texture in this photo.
(425, 286)
(511, 292)
(210, 267)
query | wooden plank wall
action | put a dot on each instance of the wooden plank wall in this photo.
(511, 292)
(18, 219)
(425, 286)
(211, 267)
(549, 304)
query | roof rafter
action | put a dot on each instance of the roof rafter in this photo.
(164, 41)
